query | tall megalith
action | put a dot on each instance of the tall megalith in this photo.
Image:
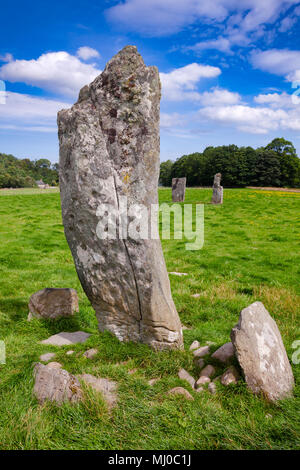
(109, 151)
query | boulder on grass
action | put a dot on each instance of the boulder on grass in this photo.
(55, 384)
(53, 303)
(261, 353)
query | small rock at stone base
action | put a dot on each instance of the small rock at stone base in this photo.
(225, 353)
(152, 381)
(132, 371)
(65, 338)
(184, 375)
(195, 345)
(208, 371)
(196, 296)
(201, 381)
(175, 273)
(203, 351)
(47, 357)
(55, 385)
(212, 388)
(180, 391)
(230, 376)
(199, 362)
(105, 386)
(70, 352)
(90, 353)
(54, 365)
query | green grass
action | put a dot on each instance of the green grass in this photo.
(251, 252)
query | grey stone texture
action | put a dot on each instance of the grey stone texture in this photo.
(53, 303)
(65, 338)
(178, 189)
(109, 149)
(261, 353)
(217, 197)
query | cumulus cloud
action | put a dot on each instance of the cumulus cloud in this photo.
(181, 83)
(28, 112)
(58, 72)
(278, 61)
(278, 100)
(86, 53)
(220, 44)
(255, 120)
(219, 96)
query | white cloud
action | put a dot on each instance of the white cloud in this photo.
(278, 61)
(58, 72)
(278, 100)
(256, 120)
(181, 83)
(218, 97)
(170, 120)
(220, 44)
(159, 18)
(26, 112)
(86, 53)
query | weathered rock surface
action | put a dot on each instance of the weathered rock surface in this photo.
(217, 197)
(230, 376)
(109, 150)
(53, 303)
(108, 388)
(195, 345)
(47, 357)
(178, 189)
(180, 391)
(261, 353)
(55, 384)
(212, 388)
(90, 353)
(199, 362)
(184, 375)
(225, 353)
(202, 381)
(65, 338)
(208, 371)
(203, 351)
(54, 365)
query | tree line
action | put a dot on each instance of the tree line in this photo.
(277, 164)
(23, 173)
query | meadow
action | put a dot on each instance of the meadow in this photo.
(251, 252)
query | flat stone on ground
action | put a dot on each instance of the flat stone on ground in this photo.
(175, 273)
(208, 371)
(202, 380)
(47, 357)
(225, 353)
(180, 391)
(65, 338)
(105, 386)
(54, 365)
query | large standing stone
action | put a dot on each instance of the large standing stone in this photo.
(261, 353)
(178, 189)
(53, 303)
(109, 148)
(217, 197)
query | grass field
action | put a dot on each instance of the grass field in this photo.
(251, 252)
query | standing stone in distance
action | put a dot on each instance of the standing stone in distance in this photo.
(53, 303)
(109, 150)
(261, 353)
(217, 197)
(178, 189)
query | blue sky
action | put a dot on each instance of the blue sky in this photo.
(230, 69)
